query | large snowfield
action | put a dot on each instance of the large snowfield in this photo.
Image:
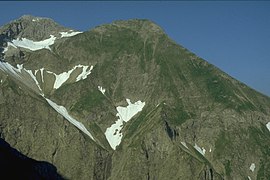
(113, 133)
(38, 45)
(34, 45)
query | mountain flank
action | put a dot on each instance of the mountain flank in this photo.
(124, 101)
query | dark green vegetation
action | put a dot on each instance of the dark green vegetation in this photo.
(187, 101)
(88, 101)
(220, 89)
(177, 115)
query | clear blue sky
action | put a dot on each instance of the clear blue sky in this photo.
(234, 36)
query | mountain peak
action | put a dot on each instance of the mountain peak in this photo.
(140, 24)
(144, 27)
(27, 17)
(34, 18)
(31, 27)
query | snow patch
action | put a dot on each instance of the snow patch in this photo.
(101, 89)
(37, 45)
(84, 73)
(126, 113)
(113, 133)
(252, 167)
(210, 150)
(184, 144)
(268, 126)
(19, 67)
(36, 19)
(200, 150)
(69, 34)
(249, 178)
(34, 45)
(60, 79)
(63, 111)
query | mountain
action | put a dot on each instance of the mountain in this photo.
(124, 101)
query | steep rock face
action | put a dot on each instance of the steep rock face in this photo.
(197, 122)
(30, 27)
(32, 33)
(35, 129)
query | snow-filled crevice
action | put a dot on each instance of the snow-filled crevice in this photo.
(113, 133)
(63, 111)
(42, 76)
(34, 78)
(200, 150)
(184, 144)
(101, 89)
